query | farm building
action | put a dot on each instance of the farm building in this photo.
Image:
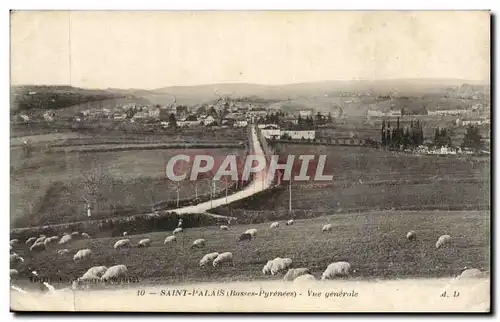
(270, 131)
(300, 134)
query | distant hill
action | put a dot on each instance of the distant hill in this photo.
(291, 91)
(39, 97)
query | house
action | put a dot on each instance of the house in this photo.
(240, 123)
(305, 113)
(299, 134)
(119, 116)
(447, 112)
(372, 113)
(209, 120)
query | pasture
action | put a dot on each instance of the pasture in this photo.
(374, 243)
(49, 188)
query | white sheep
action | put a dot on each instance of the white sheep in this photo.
(208, 258)
(327, 227)
(144, 243)
(470, 273)
(51, 240)
(65, 239)
(30, 241)
(443, 240)
(178, 230)
(122, 243)
(85, 235)
(13, 273)
(290, 222)
(199, 243)
(82, 254)
(267, 268)
(75, 234)
(293, 273)
(38, 247)
(94, 273)
(224, 227)
(63, 251)
(222, 258)
(252, 232)
(411, 235)
(14, 241)
(336, 269)
(274, 225)
(280, 265)
(40, 239)
(15, 259)
(170, 239)
(114, 272)
(304, 278)
(125, 233)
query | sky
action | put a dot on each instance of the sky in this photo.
(154, 49)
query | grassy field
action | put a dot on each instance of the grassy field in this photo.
(374, 243)
(48, 188)
(364, 178)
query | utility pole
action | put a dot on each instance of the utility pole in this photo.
(290, 197)
(177, 195)
(226, 191)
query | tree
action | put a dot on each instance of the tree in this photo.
(330, 118)
(172, 121)
(201, 110)
(383, 133)
(472, 138)
(212, 112)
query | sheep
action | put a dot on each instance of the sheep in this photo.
(267, 268)
(85, 235)
(208, 258)
(65, 239)
(290, 222)
(252, 232)
(170, 239)
(224, 257)
(274, 225)
(224, 227)
(244, 236)
(122, 243)
(15, 259)
(411, 235)
(75, 234)
(38, 247)
(114, 272)
(40, 239)
(327, 227)
(51, 240)
(293, 273)
(95, 272)
(125, 233)
(336, 269)
(14, 241)
(304, 278)
(443, 240)
(82, 254)
(199, 243)
(470, 273)
(280, 265)
(30, 241)
(178, 230)
(144, 243)
(63, 251)
(13, 273)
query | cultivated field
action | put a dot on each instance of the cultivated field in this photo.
(374, 243)
(49, 188)
(365, 179)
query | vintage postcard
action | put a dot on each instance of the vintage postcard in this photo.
(250, 161)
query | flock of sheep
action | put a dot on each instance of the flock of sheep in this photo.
(273, 267)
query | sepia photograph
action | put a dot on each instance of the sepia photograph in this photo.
(250, 161)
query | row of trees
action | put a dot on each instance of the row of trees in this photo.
(407, 137)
